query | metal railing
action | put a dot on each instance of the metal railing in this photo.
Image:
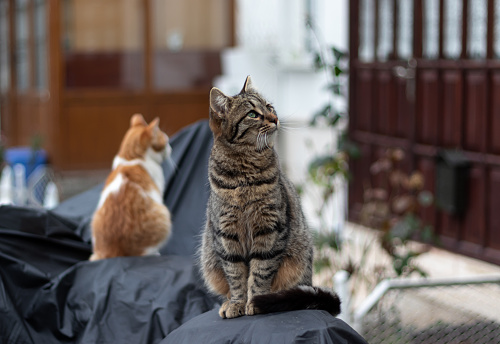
(438, 310)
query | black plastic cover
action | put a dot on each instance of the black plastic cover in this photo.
(51, 293)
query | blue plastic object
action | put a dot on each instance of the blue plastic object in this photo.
(25, 156)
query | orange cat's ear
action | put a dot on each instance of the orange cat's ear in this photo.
(248, 86)
(153, 128)
(137, 119)
(154, 123)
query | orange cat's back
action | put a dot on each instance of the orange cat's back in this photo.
(131, 219)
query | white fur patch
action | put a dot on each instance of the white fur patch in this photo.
(152, 164)
(152, 251)
(112, 187)
(156, 196)
(119, 161)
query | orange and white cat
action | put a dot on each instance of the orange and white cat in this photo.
(131, 219)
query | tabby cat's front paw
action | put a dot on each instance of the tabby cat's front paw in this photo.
(232, 309)
(251, 309)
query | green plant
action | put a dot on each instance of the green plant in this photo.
(332, 164)
(329, 170)
(393, 208)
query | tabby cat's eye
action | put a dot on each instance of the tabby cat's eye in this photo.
(252, 114)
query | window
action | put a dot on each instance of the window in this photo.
(187, 38)
(452, 29)
(385, 31)
(476, 29)
(22, 46)
(431, 29)
(405, 29)
(40, 41)
(4, 47)
(367, 30)
(103, 43)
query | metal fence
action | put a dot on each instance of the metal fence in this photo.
(427, 311)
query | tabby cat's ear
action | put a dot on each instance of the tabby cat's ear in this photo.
(248, 86)
(137, 119)
(218, 102)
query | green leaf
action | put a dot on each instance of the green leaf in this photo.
(321, 263)
(323, 113)
(333, 121)
(335, 89)
(330, 240)
(318, 61)
(337, 70)
(338, 54)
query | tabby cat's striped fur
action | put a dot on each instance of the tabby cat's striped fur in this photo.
(257, 250)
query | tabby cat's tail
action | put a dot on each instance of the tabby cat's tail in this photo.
(301, 297)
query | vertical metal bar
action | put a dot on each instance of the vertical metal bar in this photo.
(376, 30)
(417, 54)
(417, 28)
(354, 40)
(441, 29)
(465, 23)
(353, 59)
(489, 108)
(490, 29)
(395, 35)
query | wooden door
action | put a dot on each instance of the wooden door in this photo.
(425, 76)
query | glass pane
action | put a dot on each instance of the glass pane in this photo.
(452, 29)
(4, 46)
(476, 30)
(367, 30)
(103, 43)
(385, 37)
(431, 29)
(40, 45)
(405, 29)
(22, 60)
(496, 34)
(187, 38)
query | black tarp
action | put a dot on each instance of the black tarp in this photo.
(50, 293)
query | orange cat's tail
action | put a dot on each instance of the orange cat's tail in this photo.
(301, 297)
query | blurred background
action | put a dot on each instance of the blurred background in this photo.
(73, 71)
(389, 111)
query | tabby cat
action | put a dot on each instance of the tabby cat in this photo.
(131, 219)
(256, 248)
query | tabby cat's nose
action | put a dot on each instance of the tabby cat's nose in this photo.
(273, 119)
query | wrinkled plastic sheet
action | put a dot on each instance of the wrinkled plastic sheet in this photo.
(51, 293)
(304, 327)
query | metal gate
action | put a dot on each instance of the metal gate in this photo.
(425, 76)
